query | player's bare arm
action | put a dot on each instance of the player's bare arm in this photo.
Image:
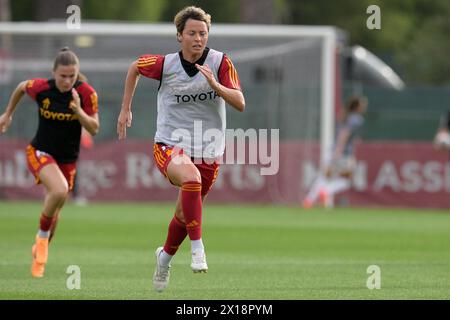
(90, 123)
(6, 117)
(125, 116)
(233, 97)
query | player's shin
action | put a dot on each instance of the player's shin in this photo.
(175, 236)
(191, 203)
(53, 226)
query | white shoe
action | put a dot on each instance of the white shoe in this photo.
(162, 273)
(198, 263)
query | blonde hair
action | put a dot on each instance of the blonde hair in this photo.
(191, 12)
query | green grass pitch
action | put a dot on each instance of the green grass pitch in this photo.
(253, 252)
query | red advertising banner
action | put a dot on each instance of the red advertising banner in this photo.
(387, 174)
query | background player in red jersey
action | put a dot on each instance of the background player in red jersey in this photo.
(65, 105)
(195, 83)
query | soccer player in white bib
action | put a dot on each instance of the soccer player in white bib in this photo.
(341, 162)
(195, 84)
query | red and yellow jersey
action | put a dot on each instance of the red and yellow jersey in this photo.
(59, 130)
(151, 66)
(228, 75)
(88, 96)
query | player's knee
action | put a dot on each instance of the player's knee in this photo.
(191, 175)
(61, 192)
(180, 216)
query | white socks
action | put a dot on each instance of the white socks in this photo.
(165, 258)
(331, 186)
(44, 234)
(338, 185)
(197, 245)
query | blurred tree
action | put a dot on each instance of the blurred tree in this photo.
(5, 11)
(42, 10)
(258, 11)
(5, 15)
(351, 16)
(424, 57)
(135, 10)
(45, 10)
(22, 10)
(414, 35)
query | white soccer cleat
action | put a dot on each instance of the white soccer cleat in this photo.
(198, 263)
(161, 275)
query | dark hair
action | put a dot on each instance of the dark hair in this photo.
(353, 104)
(67, 57)
(191, 12)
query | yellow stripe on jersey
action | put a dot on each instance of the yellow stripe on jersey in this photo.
(145, 59)
(94, 102)
(144, 62)
(30, 83)
(140, 65)
(233, 74)
(158, 156)
(159, 159)
(191, 188)
(146, 65)
(32, 157)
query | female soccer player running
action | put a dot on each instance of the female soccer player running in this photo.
(65, 105)
(195, 83)
(336, 176)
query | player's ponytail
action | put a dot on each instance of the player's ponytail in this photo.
(67, 57)
(82, 77)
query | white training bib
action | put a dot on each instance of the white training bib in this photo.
(190, 113)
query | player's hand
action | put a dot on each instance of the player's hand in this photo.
(206, 71)
(75, 104)
(123, 122)
(5, 122)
